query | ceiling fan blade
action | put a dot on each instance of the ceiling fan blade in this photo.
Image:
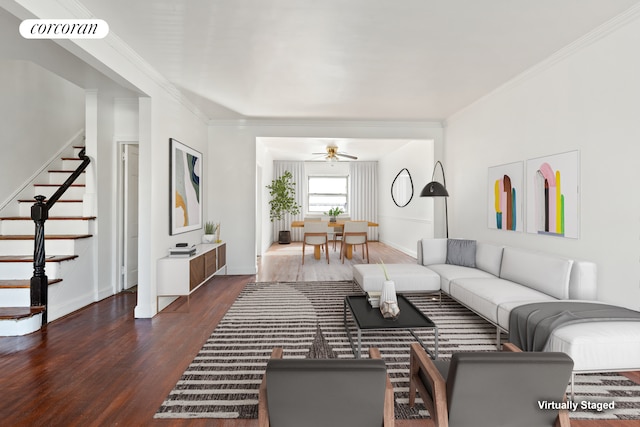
(348, 156)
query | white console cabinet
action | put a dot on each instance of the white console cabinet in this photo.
(181, 275)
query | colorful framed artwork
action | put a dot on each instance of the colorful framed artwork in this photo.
(505, 195)
(553, 195)
(186, 188)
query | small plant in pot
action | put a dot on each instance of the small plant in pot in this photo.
(209, 232)
(333, 213)
(282, 191)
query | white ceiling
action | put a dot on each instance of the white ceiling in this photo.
(399, 60)
(347, 59)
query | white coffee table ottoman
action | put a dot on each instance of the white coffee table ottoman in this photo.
(407, 277)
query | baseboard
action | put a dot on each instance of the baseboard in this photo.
(413, 253)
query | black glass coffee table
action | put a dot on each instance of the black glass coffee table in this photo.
(369, 318)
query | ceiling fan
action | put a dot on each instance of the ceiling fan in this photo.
(333, 155)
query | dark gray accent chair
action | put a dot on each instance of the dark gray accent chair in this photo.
(325, 392)
(491, 389)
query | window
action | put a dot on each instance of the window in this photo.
(326, 192)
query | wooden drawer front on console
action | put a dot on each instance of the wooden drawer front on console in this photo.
(210, 263)
(196, 272)
(182, 275)
(222, 255)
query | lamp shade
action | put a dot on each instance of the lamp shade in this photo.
(434, 189)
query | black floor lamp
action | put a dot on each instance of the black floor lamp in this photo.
(435, 189)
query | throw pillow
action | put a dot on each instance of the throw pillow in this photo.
(461, 252)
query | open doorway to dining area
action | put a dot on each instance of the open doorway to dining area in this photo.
(355, 175)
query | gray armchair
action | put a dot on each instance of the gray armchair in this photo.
(325, 392)
(491, 389)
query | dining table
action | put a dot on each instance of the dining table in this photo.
(334, 224)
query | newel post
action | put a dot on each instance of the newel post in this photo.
(39, 281)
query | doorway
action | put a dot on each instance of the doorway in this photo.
(128, 216)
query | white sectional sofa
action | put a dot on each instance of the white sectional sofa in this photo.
(500, 278)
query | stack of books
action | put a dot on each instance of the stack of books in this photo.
(374, 299)
(182, 251)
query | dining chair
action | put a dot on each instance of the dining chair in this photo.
(316, 233)
(317, 218)
(339, 231)
(355, 233)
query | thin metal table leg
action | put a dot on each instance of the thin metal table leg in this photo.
(435, 340)
(346, 329)
(573, 377)
(434, 354)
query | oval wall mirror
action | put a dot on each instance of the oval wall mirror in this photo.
(402, 188)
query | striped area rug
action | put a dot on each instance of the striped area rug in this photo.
(306, 319)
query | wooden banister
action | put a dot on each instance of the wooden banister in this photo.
(39, 214)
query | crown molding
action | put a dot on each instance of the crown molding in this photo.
(569, 50)
(434, 124)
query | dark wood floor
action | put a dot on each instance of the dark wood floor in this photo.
(101, 367)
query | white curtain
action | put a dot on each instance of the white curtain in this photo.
(363, 194)
(297, 171)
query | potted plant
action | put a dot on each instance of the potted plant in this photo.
(209, 232)
(282, 191)
(333, 213)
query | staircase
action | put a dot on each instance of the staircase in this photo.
(68, 250)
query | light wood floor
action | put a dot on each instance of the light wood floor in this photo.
(283, 263)
(101, 367)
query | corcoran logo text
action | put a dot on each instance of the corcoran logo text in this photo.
(64, 29)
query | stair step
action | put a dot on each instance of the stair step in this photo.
(51, 218)
(75, 191)
(59, 201)
(17, 225)
(58, 185)
(27, 258)
(17, 313)
(70, 163)
(22, 284)
(59, 176)
(20, 244)
(64, 207)
(48, 237)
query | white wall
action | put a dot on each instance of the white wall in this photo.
(39, 114)
(402, 227)
(168, 119)
(586, 99)
(106, 165)
(233, 157)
